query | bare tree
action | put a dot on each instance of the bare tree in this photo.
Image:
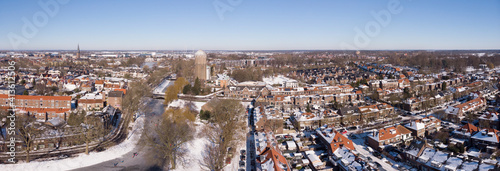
(27, 133)
(168, 140)
(90, 131)
(214, 152)
(132, 101)
(227, 123)
(274, 125)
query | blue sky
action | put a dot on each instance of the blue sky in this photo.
(249, 25)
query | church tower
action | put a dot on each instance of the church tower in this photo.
(78, 52)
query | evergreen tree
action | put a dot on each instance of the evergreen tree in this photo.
(186, 89)
(197, 86)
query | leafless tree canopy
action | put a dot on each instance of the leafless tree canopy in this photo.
(225, 128)
(168, 137)
(27, 133)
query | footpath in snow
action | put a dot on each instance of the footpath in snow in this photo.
(83, 160)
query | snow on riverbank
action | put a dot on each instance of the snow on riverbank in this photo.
(194, 156)
(83, 160)
(195, 147)
(181, 103)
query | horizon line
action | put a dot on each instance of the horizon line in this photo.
(254, 50)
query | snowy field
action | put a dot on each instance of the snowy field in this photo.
(83, 160)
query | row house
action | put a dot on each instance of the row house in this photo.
(54, 106)
(425, 126)
(244, 90)
(486, 139)
(385, 110)
(350, 115)
(305, 120)
(345, 159)
(44, 114)
(403, 83)
(489, 119)
(110, 86)
(465, 131)
(49, 139)
(269, 155)
(389, 136)
(99, 85)
(411, 155)
(423, 157)
(331, 117)
(369, 113)
(421, 103)
(334, 140)
(457, 113)
(91, 101)
(267, 124)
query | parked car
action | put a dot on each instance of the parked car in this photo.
(242, 164)
(370, 150)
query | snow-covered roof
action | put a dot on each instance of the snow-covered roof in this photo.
(439, 157)
(91, 96)
(413, 152)
(57, 121)
(356, 166)
(345, 154)
(415, 125)
(489, 135)
(280, 79)
(315, 161)
(486, 167)
(452, 163)
(291, 144)
(451, 110)
(474, 152)
(426, 155)
(469, 165)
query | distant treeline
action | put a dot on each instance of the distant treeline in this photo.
(435, 62)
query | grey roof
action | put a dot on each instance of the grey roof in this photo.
(115, 94)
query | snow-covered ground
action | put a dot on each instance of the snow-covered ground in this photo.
(180, 103)
(195, 147)
(83, 160)
(194, 156)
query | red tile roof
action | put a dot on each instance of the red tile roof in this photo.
(272, 154)
(27, 97)
(340, 140)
